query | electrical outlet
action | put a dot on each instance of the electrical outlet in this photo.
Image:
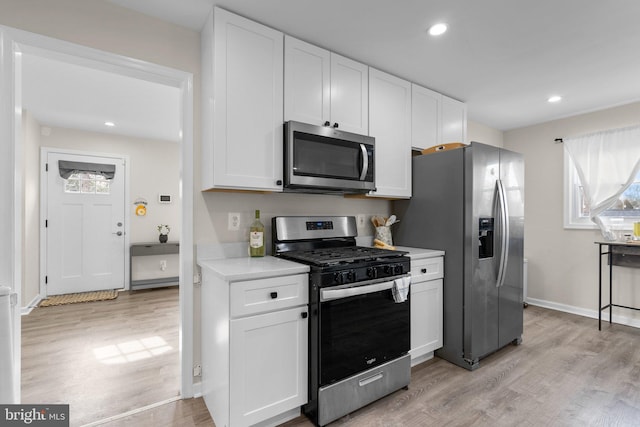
(361, 220)
(234, 221)
(197, 370)
(163, 265)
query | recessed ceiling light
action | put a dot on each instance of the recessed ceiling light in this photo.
(438, 29)
(110, 124)
(554, 98)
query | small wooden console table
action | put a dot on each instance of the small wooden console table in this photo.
(144, 249)
(622, 254)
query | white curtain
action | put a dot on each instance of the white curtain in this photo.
(607, 164)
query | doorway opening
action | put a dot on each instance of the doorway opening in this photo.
(26, 43)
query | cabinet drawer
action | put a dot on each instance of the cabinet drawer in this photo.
(625, 256)
(275, 293)
(427, 269)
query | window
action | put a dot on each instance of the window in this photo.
(576, 214)
(87, 183)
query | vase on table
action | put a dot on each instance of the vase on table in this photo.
(163, 238)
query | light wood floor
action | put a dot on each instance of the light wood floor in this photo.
(565, 373)
(103, 358)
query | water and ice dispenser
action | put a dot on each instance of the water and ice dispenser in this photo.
(485, 237)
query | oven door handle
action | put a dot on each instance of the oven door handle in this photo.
(332, 294)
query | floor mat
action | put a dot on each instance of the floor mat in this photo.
(79, 297)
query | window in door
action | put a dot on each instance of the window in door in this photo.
(87, 183)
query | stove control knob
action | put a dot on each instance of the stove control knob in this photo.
(398, 269)
(388, 269)
(372, 273)
(338, 278)
(351, 276)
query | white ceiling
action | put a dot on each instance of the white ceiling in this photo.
(66, 95)
(504, 58)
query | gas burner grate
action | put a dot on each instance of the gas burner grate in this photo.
(340, 255)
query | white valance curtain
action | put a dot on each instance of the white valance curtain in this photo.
(607, 164)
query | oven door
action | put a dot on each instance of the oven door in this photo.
(360, 327)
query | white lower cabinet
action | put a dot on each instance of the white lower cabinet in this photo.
(268, 367)
(254, 349)
(426, 307)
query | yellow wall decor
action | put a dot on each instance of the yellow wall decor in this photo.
(141, 207)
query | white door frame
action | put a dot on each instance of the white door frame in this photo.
(44, 209)
(13, 43)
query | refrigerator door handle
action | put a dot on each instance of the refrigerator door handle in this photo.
(504, 232)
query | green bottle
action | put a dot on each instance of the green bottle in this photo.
(256, 237)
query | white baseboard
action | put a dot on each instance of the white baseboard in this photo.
(33, 304)
(623, 320)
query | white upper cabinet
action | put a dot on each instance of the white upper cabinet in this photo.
(349, 95)
(454, 120)
(426, 119)
(321, 86)
(242, 80)
(307, 82)
(390, 114)
(436, 119)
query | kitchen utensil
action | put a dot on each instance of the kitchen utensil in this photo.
(390, 220)
(378, 221)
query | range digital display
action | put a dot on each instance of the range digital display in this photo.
(319, 225)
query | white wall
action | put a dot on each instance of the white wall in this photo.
(219, 204)
(563, 268)
(482, 133)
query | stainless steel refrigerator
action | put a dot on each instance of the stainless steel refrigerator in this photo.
(469, 202)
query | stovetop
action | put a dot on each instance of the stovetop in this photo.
(325, 257)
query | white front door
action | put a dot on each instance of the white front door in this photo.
(85, 244)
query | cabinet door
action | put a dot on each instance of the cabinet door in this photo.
(425, 117)
(307, 82)
(349, 95)
(268, 368)
(426, 317)
(247, 104)
(390, 112)
(454, 121)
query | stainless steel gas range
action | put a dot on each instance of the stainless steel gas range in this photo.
(359, 334)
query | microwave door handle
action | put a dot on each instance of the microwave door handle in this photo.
(365, 162)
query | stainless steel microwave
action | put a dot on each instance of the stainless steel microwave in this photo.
(322, 159)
